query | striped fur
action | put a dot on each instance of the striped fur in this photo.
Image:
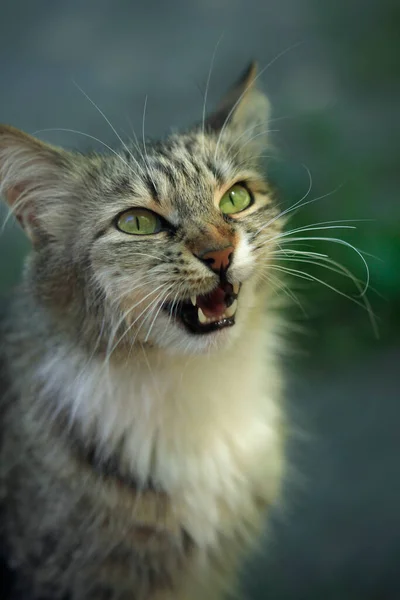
(138, 459)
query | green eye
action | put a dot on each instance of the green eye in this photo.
(235, 200)
(139, 221)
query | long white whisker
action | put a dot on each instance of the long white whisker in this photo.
(297, 207)
(87, 135)
(309, 277)
(297, 204)
(174, 304)
(323, 260)
(207, 87)
(154, 319)
(162, 257)
(274, 281)
(149, 169)
(143, 283)
(135, 141)
(316, 228)
(127, 313)
(326, 263)
(341, 243)
(149, 309)
(109, 123)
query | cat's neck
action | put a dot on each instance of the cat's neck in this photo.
(195, 427)
(157, 409)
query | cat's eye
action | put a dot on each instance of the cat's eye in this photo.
(139, 221)
(236, 199)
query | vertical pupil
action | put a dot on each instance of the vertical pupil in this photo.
(232, 198)
(137, 223)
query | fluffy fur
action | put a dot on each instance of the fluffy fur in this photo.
(138, 460)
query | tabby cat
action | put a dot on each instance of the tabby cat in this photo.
(142, 431)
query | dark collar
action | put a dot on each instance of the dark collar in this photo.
(109, 468)
(88, 452)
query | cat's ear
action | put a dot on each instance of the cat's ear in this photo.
(245, 109)
(33, 177)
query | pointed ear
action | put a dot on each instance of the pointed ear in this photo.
(32, 177)
(245, 109)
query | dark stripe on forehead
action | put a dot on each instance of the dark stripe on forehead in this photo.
(163, 150)
(149, 180)
(216, 171)
(182, 167)
(123, 185)
(191, 145)
(197, 167)
(168, 171)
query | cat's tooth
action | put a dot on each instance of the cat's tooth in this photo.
(230, 311)
(201, 316)
(236, 287)
(193, 300)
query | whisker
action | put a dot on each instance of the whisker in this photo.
(92, 137)
(280, 215)
(320, 259)
(296, 204)
(207, 87)
(144, 311)
(309, 277)
(109, 123)
(303, 228)
(174, 304)
(326, 263)
(316, 228)
(135, 141)
(149, 170)
(114, 300)
(341, 243)
(154, 319)
(127, 314)
(162, 295)
(162, 257)
(284, 288)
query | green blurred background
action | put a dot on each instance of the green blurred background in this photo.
(335, 94)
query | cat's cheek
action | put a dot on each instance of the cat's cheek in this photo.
(243, 262)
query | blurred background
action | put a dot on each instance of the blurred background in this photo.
(333, 80)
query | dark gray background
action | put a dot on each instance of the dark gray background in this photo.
(336, 101)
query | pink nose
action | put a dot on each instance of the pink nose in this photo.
(218, 260)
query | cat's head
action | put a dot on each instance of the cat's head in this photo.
(166, 244)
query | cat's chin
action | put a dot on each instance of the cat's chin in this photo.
(183, 333)
(180, 340)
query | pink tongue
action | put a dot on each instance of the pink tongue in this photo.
(212, 304)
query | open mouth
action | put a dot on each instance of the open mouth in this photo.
(208, 312)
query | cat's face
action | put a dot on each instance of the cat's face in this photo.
(167, 244)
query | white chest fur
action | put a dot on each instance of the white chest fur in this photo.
(205, 428)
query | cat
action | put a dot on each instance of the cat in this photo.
(143, 430)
